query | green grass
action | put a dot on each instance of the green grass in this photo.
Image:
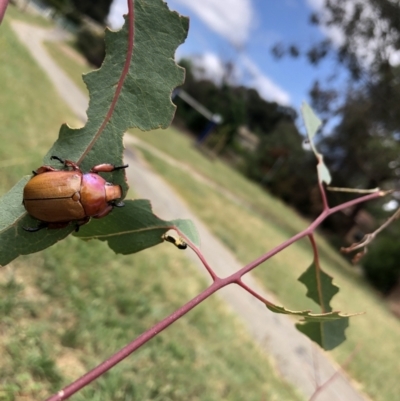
(73, 68)
(29, 125)
(66, 309)
(181, 147)
(25, 16)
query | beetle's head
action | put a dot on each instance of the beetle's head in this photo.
(112, 192)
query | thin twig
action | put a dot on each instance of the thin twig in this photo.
(252, 292)
(197, 251)
(214, 287)
(323, 386)
(353, 190)
(323, 193)
(368, 238)
(3, 7)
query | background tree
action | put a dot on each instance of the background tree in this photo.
(279, 162)
(362, 139)
(96, 10)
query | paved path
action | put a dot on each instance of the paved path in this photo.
(294, 356)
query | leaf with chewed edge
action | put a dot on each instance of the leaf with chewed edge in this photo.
(309, 316)
(320, 288)
(132, 88)
(326, 328)
(134, 227)
(328, 334)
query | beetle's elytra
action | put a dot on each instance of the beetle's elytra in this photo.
(58, 197)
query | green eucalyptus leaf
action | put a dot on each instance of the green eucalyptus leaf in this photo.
(320, 287)
(133, 228)
(125, 92)
(327, 334)
(309, 316)
(311, 121)
(188, 228)
(326, 328)
(323, 172)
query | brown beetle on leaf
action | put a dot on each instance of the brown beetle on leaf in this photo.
(59, 197)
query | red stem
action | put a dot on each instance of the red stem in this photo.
(131, 37)
(197, 251)
(215, 286)
(323, 195)
(3, 7)
(305, 232)
(321, 387)
(137, 343)
(252, 292)
(317, 271)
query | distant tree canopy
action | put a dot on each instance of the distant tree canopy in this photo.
(89, 37)
(279, 162)
(363, 147)
(96, 10)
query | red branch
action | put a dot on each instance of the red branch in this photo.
(322, 387)
(3, 8)
(217, 284)
(131, 37)
(317, 272)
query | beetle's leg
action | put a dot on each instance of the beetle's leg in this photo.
(106, 168)
(105, 212)
(34, 229)
(66, 163)
(44, 169)
(117, 204)
(80, 223)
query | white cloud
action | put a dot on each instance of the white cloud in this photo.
(115, 16)
(232, 19)
(264, 85)
(210, 66)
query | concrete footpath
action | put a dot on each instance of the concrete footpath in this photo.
(294, 356)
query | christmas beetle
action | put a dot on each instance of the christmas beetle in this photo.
(58, 197)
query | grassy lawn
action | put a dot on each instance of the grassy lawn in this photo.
(29, 125)
(181, 147)
(68, 308)
(73, 68)
(26, 16)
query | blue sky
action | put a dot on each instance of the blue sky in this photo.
(243, 32)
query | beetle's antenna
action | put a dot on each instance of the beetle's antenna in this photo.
(120, 167)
